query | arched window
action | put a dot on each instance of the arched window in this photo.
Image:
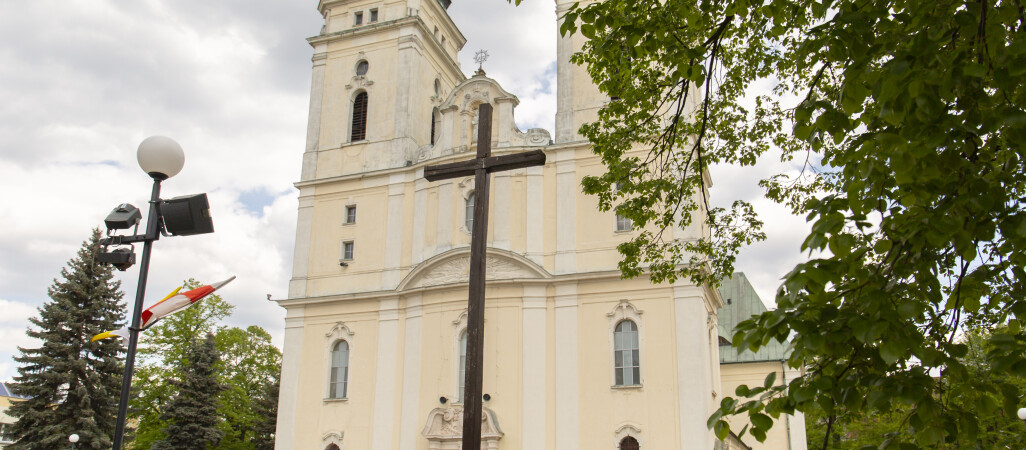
(436, 125)
(469, 220)
(332, 447)
(626, 356)
(339, 376)
(359, 125)
(629, 443)
(463, 364)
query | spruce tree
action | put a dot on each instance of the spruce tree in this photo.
(72, 385)
(266, 408)
(191, 415)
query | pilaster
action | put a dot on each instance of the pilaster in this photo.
(566, 212)
(409, 428)
(394, 237)
(533, 397)
(301, 254)
(385, 383)
(567, 407)
(288, 395)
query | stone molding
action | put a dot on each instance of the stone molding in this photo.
(627, 429)
(339, 332)
(453, 267)
(444, 429)
(333, 437)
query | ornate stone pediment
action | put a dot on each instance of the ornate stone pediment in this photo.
(444, 429)
(453, 267)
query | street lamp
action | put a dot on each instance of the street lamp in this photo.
(1022, 413)
(161, 158)
(73, 439)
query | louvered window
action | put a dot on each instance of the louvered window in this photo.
(359, 118)
(436, 124)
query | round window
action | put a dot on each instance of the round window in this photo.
(361, 68)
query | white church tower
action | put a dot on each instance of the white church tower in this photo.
(575, 358)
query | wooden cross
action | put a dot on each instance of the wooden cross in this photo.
(480, 167)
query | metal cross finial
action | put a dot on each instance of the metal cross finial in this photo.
(480, 57)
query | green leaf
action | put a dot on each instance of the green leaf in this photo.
(891, 351)
(761, 421)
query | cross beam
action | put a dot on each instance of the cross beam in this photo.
(479, 167)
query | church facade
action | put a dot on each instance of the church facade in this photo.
(574, 356)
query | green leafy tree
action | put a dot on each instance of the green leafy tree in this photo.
(905, 122)
(248, 363)
(191, 415)
(72, 384)
(266, 409)
(997, 428)
(162, 358)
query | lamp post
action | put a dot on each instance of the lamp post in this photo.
(73, 439)
(161, 158)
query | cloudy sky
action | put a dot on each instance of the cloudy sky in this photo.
(82, 82)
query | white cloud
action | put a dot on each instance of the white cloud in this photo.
(84, 81)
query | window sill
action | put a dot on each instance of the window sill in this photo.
(628, 387)
(623, 231)
(348, 224)
(352, 143)
(336, 400)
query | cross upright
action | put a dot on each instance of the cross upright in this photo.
(480, 167)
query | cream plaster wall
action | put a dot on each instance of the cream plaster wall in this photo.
(553, 283)
(594, 404)
(788, 432)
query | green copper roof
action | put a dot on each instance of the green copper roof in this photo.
(741, 302)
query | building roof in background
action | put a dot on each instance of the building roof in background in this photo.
(741, 302)
(6, 392)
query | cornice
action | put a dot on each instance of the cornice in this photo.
(373, 295)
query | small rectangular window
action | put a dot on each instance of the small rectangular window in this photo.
(374, 15)
(359, 18)
(347, 251)
(350, 214)
(623, 223)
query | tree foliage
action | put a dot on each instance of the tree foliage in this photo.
(248, 364)
(997, 428)
(191, 415)
(905, 120)
(265, 407)
(162, 358)
(72, 384)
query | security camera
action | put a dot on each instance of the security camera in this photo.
(123, 216)
(121, 258)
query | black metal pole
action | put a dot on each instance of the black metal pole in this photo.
(152, 234)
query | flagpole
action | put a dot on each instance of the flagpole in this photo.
(152, 234)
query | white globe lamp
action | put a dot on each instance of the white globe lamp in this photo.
(160, 157)
(1022, 414)
(73, 438)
